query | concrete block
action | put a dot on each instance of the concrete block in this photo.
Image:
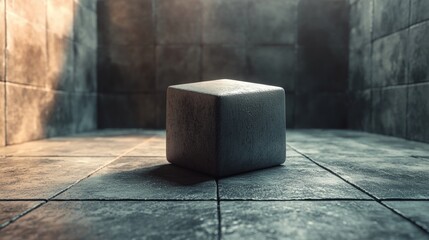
(419, 53)
(390, 16)
(360, 23)
(225, 127)
(418, 112)
(419, 10)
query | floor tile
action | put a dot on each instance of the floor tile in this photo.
(117, 220)
(384, 177)
(297, 178)
(42, 177)
(103, 143)
(415, 210)
(143, 178)
(313, 220)
(10, 210)
(154, 146)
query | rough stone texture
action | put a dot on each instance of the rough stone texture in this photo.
(419, 10)
(313, 220)
(118, 220)
(223, 127)
(286, 182)
(197, 40)
(2, 115)
(390, 16)
(395, 73)
(389, 60)
(414, 210)
(418, 112)
(144, 178)
(10, 210)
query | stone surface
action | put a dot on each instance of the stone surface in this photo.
(176, 65)
(419, 53)
(360, 68)
(224, 21)
(320, 110)
(85, 26)
(2, 41)
(359, 111)
(224, 62)
(393, 115)
(2, 116)
(144, 178)
(415, 210)
(360, 23)
(273, 65)
(126, 69)
(418, 112)
(178, 21)
(389, 58)
(273, 21)
(313, 220)
(85, 69)
(118, 220)
(11, 209)
(43, 177)
(384, 177)
(223, 127)
(390, 16)
(297, 178)
(419, 10)
(60, 9)
(61, 62)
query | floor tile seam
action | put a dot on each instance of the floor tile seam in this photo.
(416, 224)
(16, 218)
(218, 211)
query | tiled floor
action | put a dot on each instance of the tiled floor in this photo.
(118, 185)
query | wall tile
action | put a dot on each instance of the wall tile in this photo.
(322, 69)
(419, 10)
(273, 21)
(418, 112)
(389, 59)
(177, 65)
(27, 57)
(323, 23)
(2, 40)
(272, 65)
(224, 21)
(85, 68)
(83, 111)
(60, 62)
(359, 111)
(36, 110)
(127, 69)
(2, 114)
(124, 23)
(90, 4)
(60, 19)
(390, 16)
(178, 21)
(85, 26)
(360, 23)
(376, 111)
(419, 53)
(320, 111)
(360, 68)
(223, 62)
(129, 111)
(290, 110)
(33, 11)
(393, 111)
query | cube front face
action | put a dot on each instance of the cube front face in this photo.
(223, 135)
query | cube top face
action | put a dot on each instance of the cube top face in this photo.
(225, 87)
(225, 134)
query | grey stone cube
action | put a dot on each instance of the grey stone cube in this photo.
(225, 127)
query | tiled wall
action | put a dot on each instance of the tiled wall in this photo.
(147, 45)
(389, 67)
(48, 68)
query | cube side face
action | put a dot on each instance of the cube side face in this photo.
(191, 130)
(252, 132)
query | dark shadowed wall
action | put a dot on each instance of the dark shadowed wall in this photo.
(147, 45)
(389, 67)
(48, 81)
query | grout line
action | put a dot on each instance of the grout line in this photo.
(219, 216)
(416, 224)
(71, 185)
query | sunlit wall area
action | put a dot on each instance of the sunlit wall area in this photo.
(147, 45)
(48, 74)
